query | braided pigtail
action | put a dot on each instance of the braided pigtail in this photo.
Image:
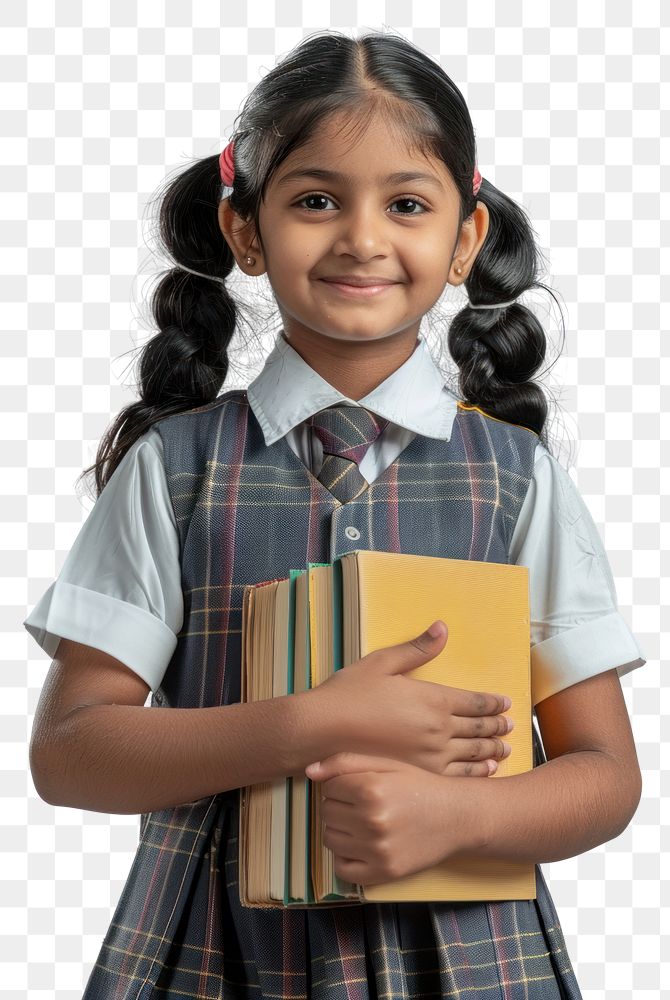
(499, 349)
(185, 364)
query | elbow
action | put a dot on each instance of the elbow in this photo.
(41, 760)
(635, 795)
(628, 793)
(37, 775)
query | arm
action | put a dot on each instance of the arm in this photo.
(585, 795)
(384, 819)
(125, 758)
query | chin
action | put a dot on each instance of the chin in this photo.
(358, 336)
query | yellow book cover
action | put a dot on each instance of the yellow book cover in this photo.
(390, 598)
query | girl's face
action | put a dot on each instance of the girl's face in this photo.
(334, 213)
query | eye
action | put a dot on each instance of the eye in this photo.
(412, 201)
(313, 197)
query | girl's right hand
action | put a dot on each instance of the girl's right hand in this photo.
(443, 729)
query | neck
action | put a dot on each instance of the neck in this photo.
(354, 368)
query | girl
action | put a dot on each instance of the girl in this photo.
(352, 183)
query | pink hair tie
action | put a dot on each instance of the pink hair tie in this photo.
(226, 165)
(476, 181)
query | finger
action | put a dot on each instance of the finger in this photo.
(482, 726)
(351, 870)
(339, 842)
(479, 749)
(347, 762)
(471, 768)
(473, 703)
(343, 788)
(339, 815)
(406, 656)
(338, 763)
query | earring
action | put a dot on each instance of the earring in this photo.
(250, 261)
(459, 270)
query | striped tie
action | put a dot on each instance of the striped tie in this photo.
(346, 432)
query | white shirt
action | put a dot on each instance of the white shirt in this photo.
(119, 589)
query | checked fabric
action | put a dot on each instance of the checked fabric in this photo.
(179, 929)
(346, 432)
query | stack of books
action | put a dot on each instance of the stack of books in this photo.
(298, 630)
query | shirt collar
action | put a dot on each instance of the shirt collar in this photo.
(288, 391)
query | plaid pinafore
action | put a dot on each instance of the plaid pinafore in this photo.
(246, 512)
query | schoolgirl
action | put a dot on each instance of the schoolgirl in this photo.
(351, 182)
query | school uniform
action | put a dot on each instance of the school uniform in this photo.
(226, 495)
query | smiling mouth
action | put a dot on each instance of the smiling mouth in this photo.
(357, 291)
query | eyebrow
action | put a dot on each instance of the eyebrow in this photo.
(401, 177)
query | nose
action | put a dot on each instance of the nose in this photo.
(362, 231)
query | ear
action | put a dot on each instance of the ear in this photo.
(472, 235)
(240, 235)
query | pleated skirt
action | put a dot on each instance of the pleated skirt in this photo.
(498, 950)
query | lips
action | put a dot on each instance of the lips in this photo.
(367, 288)
(358, 280)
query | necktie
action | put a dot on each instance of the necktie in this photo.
(346, 432)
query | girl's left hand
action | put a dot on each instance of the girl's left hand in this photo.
(383, 818)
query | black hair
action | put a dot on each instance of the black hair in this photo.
(185, 364)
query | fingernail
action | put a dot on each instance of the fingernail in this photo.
(510, 724)
(437, 628)
(507, 746)
(507, 703)
(493, 766)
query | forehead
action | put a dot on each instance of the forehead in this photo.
(369, 149)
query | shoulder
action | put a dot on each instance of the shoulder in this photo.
(545, 465)
(142, 463)
(196, 424)
(488, 438)
(138, 483)
(143, 455)
(552, 473)
(150, 444)
(472, 408)
(233, 397)
(552, 485)
(555, 498)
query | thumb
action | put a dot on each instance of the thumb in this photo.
(408, 655)
(347, 762)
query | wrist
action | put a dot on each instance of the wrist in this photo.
(466, 813)
(314, 730)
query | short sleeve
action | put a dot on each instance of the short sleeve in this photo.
(119, 589)
(576, 628)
